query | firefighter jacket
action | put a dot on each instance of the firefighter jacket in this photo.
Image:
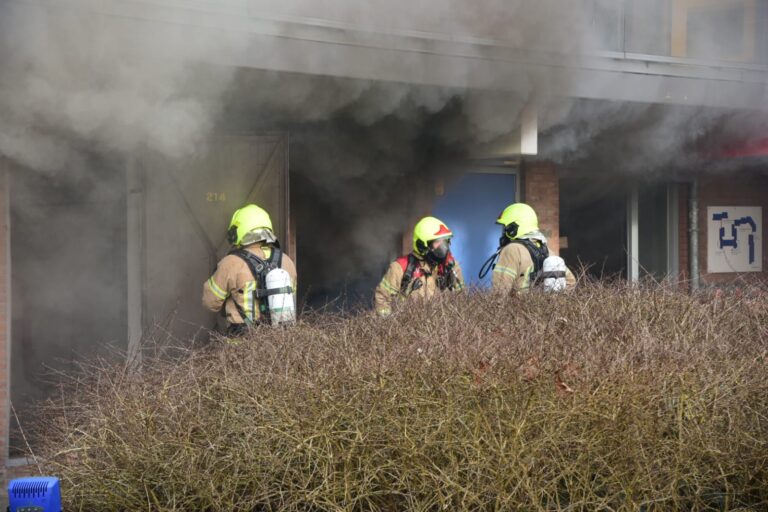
(425, 283)
(233, 283)
(513, 270)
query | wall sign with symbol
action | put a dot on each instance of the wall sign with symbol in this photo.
(734, 239)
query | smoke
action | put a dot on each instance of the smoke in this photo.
(74, 79)
(82, 95)
(85, 92)
(547, 25)
(78, 82)
(647, 141)
(363, 185)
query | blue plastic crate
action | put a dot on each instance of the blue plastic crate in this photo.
(34, 494)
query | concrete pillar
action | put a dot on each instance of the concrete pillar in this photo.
(633, 234)
(135, 259)
(5, 315)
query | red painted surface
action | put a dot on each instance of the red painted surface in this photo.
(752, 148)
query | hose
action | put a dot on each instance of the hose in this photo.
(489, 264)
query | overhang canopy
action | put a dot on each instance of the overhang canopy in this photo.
(267, 35)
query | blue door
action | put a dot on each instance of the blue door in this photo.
(470, 208)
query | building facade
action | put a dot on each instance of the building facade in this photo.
(704, 54)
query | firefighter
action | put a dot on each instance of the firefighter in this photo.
(238, 288)
(523, 255)
(429, 268)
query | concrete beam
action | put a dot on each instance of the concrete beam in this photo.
(236, 35)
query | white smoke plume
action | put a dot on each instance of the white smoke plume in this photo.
(74, 78)
(84, 93)
(73, 81)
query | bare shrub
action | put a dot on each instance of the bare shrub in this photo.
(608, 398)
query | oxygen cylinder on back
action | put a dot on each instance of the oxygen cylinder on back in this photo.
(282, 307)
(553, 271)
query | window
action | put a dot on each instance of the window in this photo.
(716, 32)
(648, 26)
(715, 29)
(608, 24)
(761, 31)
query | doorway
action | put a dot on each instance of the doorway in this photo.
(652, 222)
(593, 226)
(470, 207)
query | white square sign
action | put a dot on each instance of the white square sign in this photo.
(734, 239)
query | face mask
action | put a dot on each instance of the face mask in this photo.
(508, 233)
(440, 250)
(504, 239)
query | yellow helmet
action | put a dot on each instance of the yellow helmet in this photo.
(427, 230)
(518, 219)
(250, 224)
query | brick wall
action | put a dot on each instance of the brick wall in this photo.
(541, 190)
(742, 189)
(5, 321)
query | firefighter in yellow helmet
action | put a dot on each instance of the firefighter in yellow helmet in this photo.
(241, 285)
(428, 269)
(523, 256)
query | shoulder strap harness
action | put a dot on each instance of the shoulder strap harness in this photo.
(410, 265)
(445, 275)
(259, 269)
(538, 254)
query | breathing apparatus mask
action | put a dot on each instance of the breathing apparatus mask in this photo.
(508, 233)
(438, 250)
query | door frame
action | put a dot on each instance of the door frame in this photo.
(672, 232)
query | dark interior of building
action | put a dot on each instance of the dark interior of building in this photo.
(593, 219)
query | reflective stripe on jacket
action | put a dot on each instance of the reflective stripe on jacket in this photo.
(233, 282)
(513, 270)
